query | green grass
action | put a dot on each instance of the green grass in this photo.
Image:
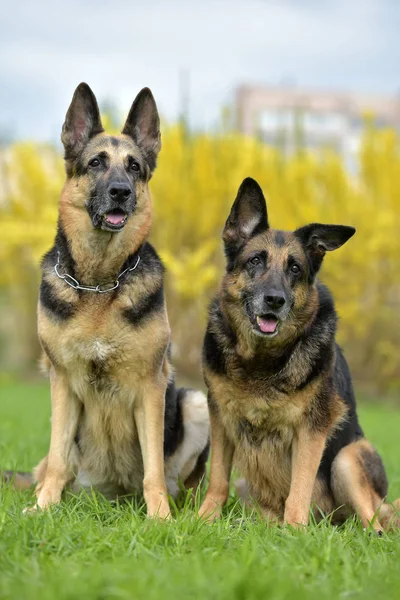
(89, 548)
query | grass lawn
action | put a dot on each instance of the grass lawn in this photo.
(89, 548)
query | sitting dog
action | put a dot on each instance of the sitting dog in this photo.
(118, 421)
(280, 394)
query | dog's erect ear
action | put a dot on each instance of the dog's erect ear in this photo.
(143, 125)
(247, 218)
(318, 239)
(82, 121)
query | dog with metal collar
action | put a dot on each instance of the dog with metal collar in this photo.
(118, 421)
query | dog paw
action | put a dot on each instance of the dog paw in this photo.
(295, 520)
(48, 497)
(210, 510)
(160, 511)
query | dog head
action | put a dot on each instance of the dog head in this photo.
(271, 274)
(108, 174)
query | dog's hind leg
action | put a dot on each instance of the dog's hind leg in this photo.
(358, 482)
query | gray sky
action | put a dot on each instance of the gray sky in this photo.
(47, 47)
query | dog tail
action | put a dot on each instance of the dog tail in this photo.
(195, 436)
(17, 479)
(389, 515)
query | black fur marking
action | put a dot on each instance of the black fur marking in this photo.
(79, 168)
(213, 354)
(280, 239)
(321, 334)
(61, 246)
(77, 440)
(114, 141)
(326, 310)
(148, 305)
(320, 365)
(173, 419)
(59, 308)
(256, 369)
(150, 262)
(225, 328)
(253, 435)
(318, 415)
(373, 467)
(98, 375)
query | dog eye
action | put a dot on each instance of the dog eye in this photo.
(295, 269)
(255, 260)
(134, 166)
(94, 162)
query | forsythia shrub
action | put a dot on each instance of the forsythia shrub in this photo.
(193, 189)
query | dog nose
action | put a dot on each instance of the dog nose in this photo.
(275, 299)
(119, 191)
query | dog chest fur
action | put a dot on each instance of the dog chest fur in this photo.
(102, 355)
(262, 429)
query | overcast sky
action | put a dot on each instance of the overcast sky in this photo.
(47, 47)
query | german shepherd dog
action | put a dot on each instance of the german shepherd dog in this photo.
(118, 422)
(280, 397)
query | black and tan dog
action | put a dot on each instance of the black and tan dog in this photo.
(281, 401)
(118, 422)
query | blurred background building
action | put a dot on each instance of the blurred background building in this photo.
(290, 118)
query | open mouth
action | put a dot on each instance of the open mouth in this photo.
(267, 325)
(114, 220)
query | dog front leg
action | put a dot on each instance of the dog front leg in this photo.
(221, 464)
(149, 418)
(65, 413)
(307, 452)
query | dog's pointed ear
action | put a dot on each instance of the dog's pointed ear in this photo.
(82, 121)
(143, 126)
(318, 239)
(247, 218)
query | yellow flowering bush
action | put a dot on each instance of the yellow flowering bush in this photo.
(193, 189)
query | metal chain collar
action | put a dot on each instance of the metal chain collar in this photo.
(100, 288)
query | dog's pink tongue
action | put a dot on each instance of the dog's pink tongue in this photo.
(115, 217)
(267, 325)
